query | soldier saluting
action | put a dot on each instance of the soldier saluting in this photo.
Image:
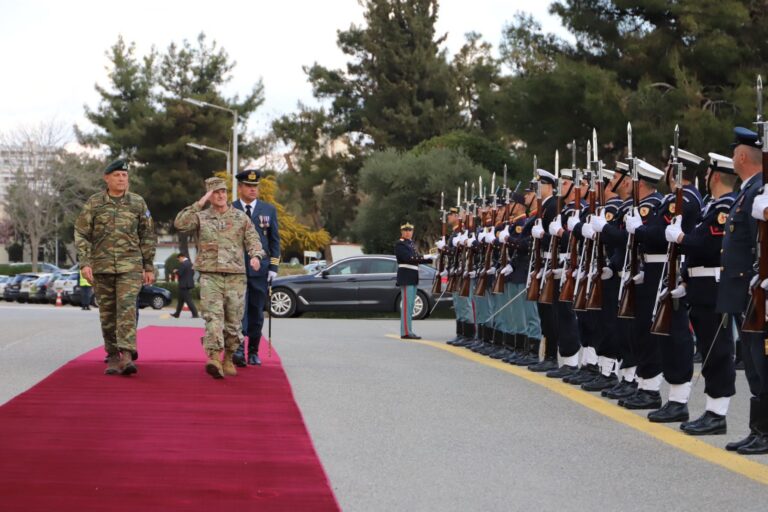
(115, 240)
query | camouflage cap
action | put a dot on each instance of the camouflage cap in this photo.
(212, 184)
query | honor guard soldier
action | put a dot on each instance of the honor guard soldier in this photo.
(115, 240)
(264, 218)
(701, 273)
(408, 261)
(737, 261)
(222, 233)
(451, 246)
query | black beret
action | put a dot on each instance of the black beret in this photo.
(117, 165)
(249, 177)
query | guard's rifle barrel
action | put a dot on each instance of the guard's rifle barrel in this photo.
(499, 283)
(630, 268)
(466, 282)
(754, 320)
(571, 264)
(587, 253)
(437, 285)
(594, 288)
(535, 265)
(661, 319)
(547, 295)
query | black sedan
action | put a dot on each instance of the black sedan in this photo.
(152, 296)
(359, 283)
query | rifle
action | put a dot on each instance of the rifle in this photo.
(456, 253)
(482, 279)
(470, 251)
(547, 295)
(587, 251)
(535, 264)
(627, 287)
(661, 323)
(570, 266)
(437, 285)
(498, 285)
(594, 278)
(754, 319)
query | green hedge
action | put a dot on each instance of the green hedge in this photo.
(12, 270)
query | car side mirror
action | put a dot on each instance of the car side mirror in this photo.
(324, 274)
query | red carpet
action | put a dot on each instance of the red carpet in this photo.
(170, 438)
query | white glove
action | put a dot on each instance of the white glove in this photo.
(764, 284)
(555, 226)
(456, 240)
(639, 278)
(470, 240)
(753, 282)
(504, 235)
(607, 273)
(760, 204)
(678, 292)
(572, 221)
(490, 236)
(491, 271)
(508, 270)
(633, 221)
(444, 273)
(430, 257)
(537, 231)
(587, 231)
(579, 274)
(598, 222)
(673, 231)
(557, 273)
(440, 244)
(472, 274)
(272, 274)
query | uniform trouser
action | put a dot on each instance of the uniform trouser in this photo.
(568, 342)
(222, 300)
(460, 307)
(755, 362)
(607, 322)
(479, 304)
(512, 318)
(85, 295)
(116, 295)
(719, 370)
(671, 355)
(548, 327)
(532, 320)
(253, 318)
(408, 297)
(589, 328)
(185, 297)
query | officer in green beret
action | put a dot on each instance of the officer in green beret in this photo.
(115, 240)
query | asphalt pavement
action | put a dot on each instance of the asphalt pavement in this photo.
(408, 426)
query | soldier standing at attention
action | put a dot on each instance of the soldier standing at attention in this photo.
(222, 233)
(407, 278)
(115, 240)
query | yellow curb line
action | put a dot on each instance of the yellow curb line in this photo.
(689, 444)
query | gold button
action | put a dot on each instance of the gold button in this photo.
(741, 274)
(722, 269)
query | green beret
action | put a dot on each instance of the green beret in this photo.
(117, 165)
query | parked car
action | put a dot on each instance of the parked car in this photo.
(38, 290)
(315, 266)
(358, 283)
(64, 284)
(3, 281)
(149, 296)
(12, 288)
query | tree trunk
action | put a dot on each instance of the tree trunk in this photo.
(34, 245)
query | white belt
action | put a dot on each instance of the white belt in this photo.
(655, 258)
(412, 267)
(705, 272)
(546, 255)
(563, 258)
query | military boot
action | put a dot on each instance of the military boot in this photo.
(126, 363)
(467, 335)
(227, 365)
(456, 339)
(511, 341)
(502, 350)
(113, 364)
(213, 364)
(759, 444)
(753, 415)
(531, 355)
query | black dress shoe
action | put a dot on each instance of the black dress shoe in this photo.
(708, 424)
(253, 359)
(175, 315)
(599, 383)
(238, 358)
(758, 446)
(406, 337)
(544, 366)
(563, 371)
(620, 391)
(643, 399)
(585, 374)
(671, 412)
(735, 445)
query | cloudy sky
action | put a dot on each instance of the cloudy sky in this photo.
(53, 52)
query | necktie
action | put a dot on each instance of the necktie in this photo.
(248, 209)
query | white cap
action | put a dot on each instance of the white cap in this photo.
(546, 176)
(721, 163)
(648, 172)
(622, 168)
(685, 155)
(608, 173)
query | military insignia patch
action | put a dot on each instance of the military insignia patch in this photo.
(732, 228)
(722, 217)
(644, 211)
(609, 216)
(671, 207)
(519, 229)
(252, 176)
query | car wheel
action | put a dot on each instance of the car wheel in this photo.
(158, 302)
(420, 305)
(283, 303)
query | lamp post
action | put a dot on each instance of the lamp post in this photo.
(199, 103)
(203, 147)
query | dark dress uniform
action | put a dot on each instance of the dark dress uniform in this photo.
(408, 261)
(264, 218)
(186, 276)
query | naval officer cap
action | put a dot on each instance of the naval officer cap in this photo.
(746, 137)
(721, 163)
(249, 177)
(117, 165)
(213, 184)
(546, 177)
(648, 172)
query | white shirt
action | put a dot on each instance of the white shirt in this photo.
(252, 205)
(744, 183)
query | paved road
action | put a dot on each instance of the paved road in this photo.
(406, 426)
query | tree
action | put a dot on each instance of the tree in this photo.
(401, 187)
(477, 148)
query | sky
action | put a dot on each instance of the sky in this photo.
(54, 52)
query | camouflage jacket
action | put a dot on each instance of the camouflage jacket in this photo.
(113, 237)
(221, 238)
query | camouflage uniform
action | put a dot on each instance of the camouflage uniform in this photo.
(221, 240)
(115, 236)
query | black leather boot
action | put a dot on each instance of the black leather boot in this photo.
(753, 412)
(456, 339)
(239, 356)
(759, 444)
(512, 342)
(642, 399)
(478, 342)
(548, 364)
(671, 412)
(466, 335)
(599, 383)
(532, 353)
(585, 374)
(501, 349)
(708, 424)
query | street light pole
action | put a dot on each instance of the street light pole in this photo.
(203, 147)
(235, 166)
